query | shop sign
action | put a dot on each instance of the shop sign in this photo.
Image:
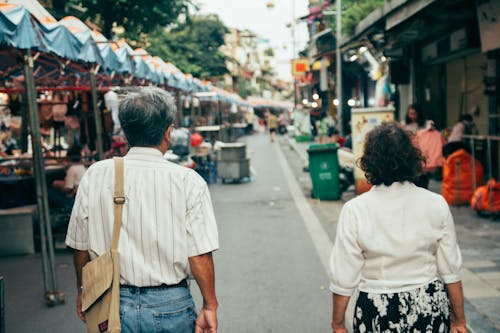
(300, 67)
(363, 120)
(488, 16)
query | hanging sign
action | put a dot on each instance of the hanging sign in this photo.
(300, 67)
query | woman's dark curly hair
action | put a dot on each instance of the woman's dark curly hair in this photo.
(390, 156)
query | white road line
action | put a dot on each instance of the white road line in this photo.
(320, 238)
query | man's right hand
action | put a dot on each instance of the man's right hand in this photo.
(339, 328)
(207, 321)
(79, 311)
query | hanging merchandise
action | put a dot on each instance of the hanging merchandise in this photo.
(196, 102)
(234, 108)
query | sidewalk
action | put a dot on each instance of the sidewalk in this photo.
(479, 240)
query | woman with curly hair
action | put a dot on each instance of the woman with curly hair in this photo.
(397, 245)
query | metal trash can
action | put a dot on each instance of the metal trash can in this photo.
(324, 171)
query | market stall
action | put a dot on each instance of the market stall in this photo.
(40, 57)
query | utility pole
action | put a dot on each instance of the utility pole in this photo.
(295, 97)
(293, 29)
(339, 65)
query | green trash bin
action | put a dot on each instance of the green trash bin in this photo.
(324, 171)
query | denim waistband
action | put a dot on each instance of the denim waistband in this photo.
(182, 284)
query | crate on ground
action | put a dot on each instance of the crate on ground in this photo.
(16, 230)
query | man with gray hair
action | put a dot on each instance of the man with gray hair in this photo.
(168, 226)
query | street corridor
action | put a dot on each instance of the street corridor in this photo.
(271, 269)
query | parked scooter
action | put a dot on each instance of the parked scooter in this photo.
(346, 178)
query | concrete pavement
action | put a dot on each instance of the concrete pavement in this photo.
(478, 237)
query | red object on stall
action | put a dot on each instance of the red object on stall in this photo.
(196, 139)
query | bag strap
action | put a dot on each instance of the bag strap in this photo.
(119, 201)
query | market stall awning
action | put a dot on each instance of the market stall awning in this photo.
(109, 56)
(89, 51)
(270, 104)
(16, 29)
(67, 46)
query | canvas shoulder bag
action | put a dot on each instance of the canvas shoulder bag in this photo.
(101, 276)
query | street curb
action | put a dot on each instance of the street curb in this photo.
(476, 321)
(293, 145)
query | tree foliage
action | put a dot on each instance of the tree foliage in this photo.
(353, 12)
(269, 52)
(193, 46)
(136, 16)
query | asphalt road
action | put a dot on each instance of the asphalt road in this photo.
(269, 276)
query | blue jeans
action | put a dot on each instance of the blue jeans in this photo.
(157, 310)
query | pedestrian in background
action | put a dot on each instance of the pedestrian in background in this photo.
(168, 225)
(272, 125)
(464, 126)
(283, 123)
(62, 192)
(397, 245)
(415, 119)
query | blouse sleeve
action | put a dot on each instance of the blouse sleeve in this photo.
(448, 257)
(346, 259)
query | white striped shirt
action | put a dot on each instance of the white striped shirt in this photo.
(167, 217)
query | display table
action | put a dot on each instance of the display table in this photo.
(212, 132)
(16, 230)
(20, 190)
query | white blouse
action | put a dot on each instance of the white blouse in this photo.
(392, 239)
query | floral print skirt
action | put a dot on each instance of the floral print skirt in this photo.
(424, 309)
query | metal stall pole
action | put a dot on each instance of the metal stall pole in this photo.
(52, 295)
(339, 110)
(97, 113)
(24, 126)
(473, 158)
(2, 305)
(222, 136)
(490, 174)
(180, 113)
